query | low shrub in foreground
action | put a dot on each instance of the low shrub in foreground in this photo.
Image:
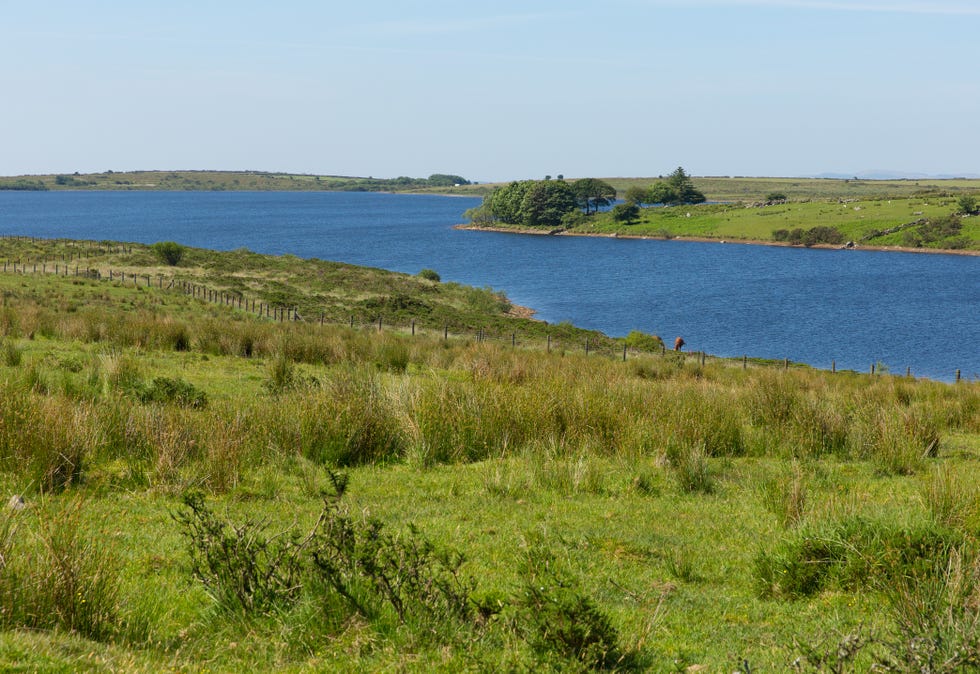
(348, 565)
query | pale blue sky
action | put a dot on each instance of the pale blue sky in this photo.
(491, 90)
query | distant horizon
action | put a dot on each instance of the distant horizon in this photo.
(871, 174)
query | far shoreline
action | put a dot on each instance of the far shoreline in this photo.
(719, 240)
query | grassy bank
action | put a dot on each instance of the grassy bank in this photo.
(907, 223)
(195, 487)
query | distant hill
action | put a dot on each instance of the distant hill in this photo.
(883, 174)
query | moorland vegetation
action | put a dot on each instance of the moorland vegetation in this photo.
(188, 485)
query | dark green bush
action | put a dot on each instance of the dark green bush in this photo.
(169, 252)
(626, 213)
(176, 391)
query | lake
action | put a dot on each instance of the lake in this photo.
(854, 307)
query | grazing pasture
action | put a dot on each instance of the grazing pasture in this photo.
(188, 485)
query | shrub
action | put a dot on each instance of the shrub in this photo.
(176, 391)
(967, 204)
(556, 616)
(643, 342)
(374, 571)
(169, 252)
(430, 275)
(626, 213)
(242, 568)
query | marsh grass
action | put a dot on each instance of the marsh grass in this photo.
(937, 616)
(690, 468)
(952, 500)
(54, 574)
(785, 496)
(849, 553)
(476, 442)
(10, 354)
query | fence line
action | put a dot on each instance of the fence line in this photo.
(280, 313)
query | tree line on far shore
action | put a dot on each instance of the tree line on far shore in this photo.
(554, 203)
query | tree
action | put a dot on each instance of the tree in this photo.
(967, 204)
(535, 203)
(504, 203)
(661, 193)
(593, 193)
(637, 195)
(683, 188)
(626, 213)
(446, 180)
(546, 202)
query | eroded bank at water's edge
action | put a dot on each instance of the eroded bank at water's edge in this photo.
(706, 239)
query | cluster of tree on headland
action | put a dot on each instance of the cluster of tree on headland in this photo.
(554, 203)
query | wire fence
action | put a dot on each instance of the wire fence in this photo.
(77, 262)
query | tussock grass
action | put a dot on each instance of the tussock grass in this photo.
(702, 496)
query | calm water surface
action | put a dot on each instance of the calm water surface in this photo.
(813, 306)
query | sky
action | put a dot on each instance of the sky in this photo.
(491, 91)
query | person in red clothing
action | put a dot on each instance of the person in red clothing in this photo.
(678, 343)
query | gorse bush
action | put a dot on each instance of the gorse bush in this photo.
(556, 616)
(244, 569)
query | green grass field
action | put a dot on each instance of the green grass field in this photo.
(867, 223)
(179, 463)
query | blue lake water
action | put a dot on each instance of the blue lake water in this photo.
(814, 306)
